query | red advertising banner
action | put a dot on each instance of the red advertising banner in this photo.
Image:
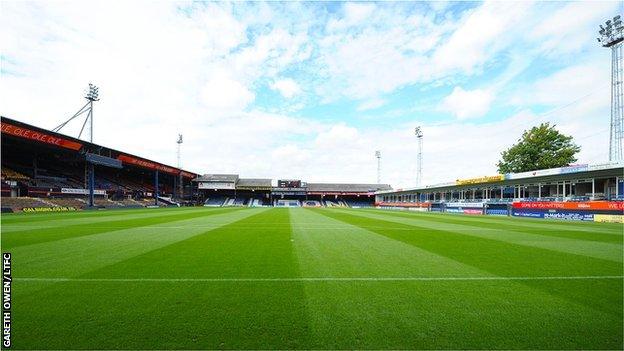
(572, 205)
(39, 136)
(146, 164)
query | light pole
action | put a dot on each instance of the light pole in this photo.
(419, 136)
(91, 96)
(180, 185)
(612, 36)
(378, 156)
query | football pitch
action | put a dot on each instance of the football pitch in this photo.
(300, 278)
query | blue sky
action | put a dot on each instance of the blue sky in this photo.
(311, 89)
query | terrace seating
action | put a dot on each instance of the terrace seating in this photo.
(18, 203)
(130, 203)
(256, 203)
(358, 203)
(288, 203)
(69, 202)
(333, 204)
(10, 174)
(239, 202)
(214, 201)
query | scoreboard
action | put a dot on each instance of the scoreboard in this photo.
(288, 183)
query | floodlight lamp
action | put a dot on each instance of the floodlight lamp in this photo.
(418, 132)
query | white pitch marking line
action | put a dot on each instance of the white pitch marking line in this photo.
(312, 279)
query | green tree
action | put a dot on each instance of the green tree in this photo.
(540, 147)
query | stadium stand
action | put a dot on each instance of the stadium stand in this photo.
(311, 203)
(41, 168)
(10, 174)
(578, 192)
(69, 202)
(329, 203)
(215, 200)
(239, 202)
(253, 184)
(357, 203)
(287, 203)
(18, 203)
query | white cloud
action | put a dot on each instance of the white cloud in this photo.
(371, 104)
(338, 136)
(484, 31)
(164, 70)
(226, 93)
(573, 26)
(466, 104)
(394, 49)
(354, 14)
(287, 87)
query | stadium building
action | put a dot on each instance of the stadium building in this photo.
(230, 190)
(577, 192)
(47, 171)
(43, 170)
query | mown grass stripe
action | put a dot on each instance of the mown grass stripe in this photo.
(50, 218)
(226, 316)
(79, 255)
(305, 279)
(337, 249)
(545, 229)
(600, 250)
(36, 236)
(592, 227)
(497, 257)
(27, 225)
(178, 308)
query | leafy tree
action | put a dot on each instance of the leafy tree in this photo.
(540, 147)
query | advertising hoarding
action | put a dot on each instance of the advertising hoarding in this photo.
(607, 218)
(572, 205)
(146, 164)
(39, 136)
(497, 212)
(216, 185)
(478, 180)
(465, 204)
(75, 191)
(573, 216)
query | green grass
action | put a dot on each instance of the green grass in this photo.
(200, 278)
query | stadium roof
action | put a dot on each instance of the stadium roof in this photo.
(44, 137)
(254, 183)
(230, 178)
(343, 187)
(569, 173)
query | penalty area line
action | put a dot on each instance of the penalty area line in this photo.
(311, 279)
